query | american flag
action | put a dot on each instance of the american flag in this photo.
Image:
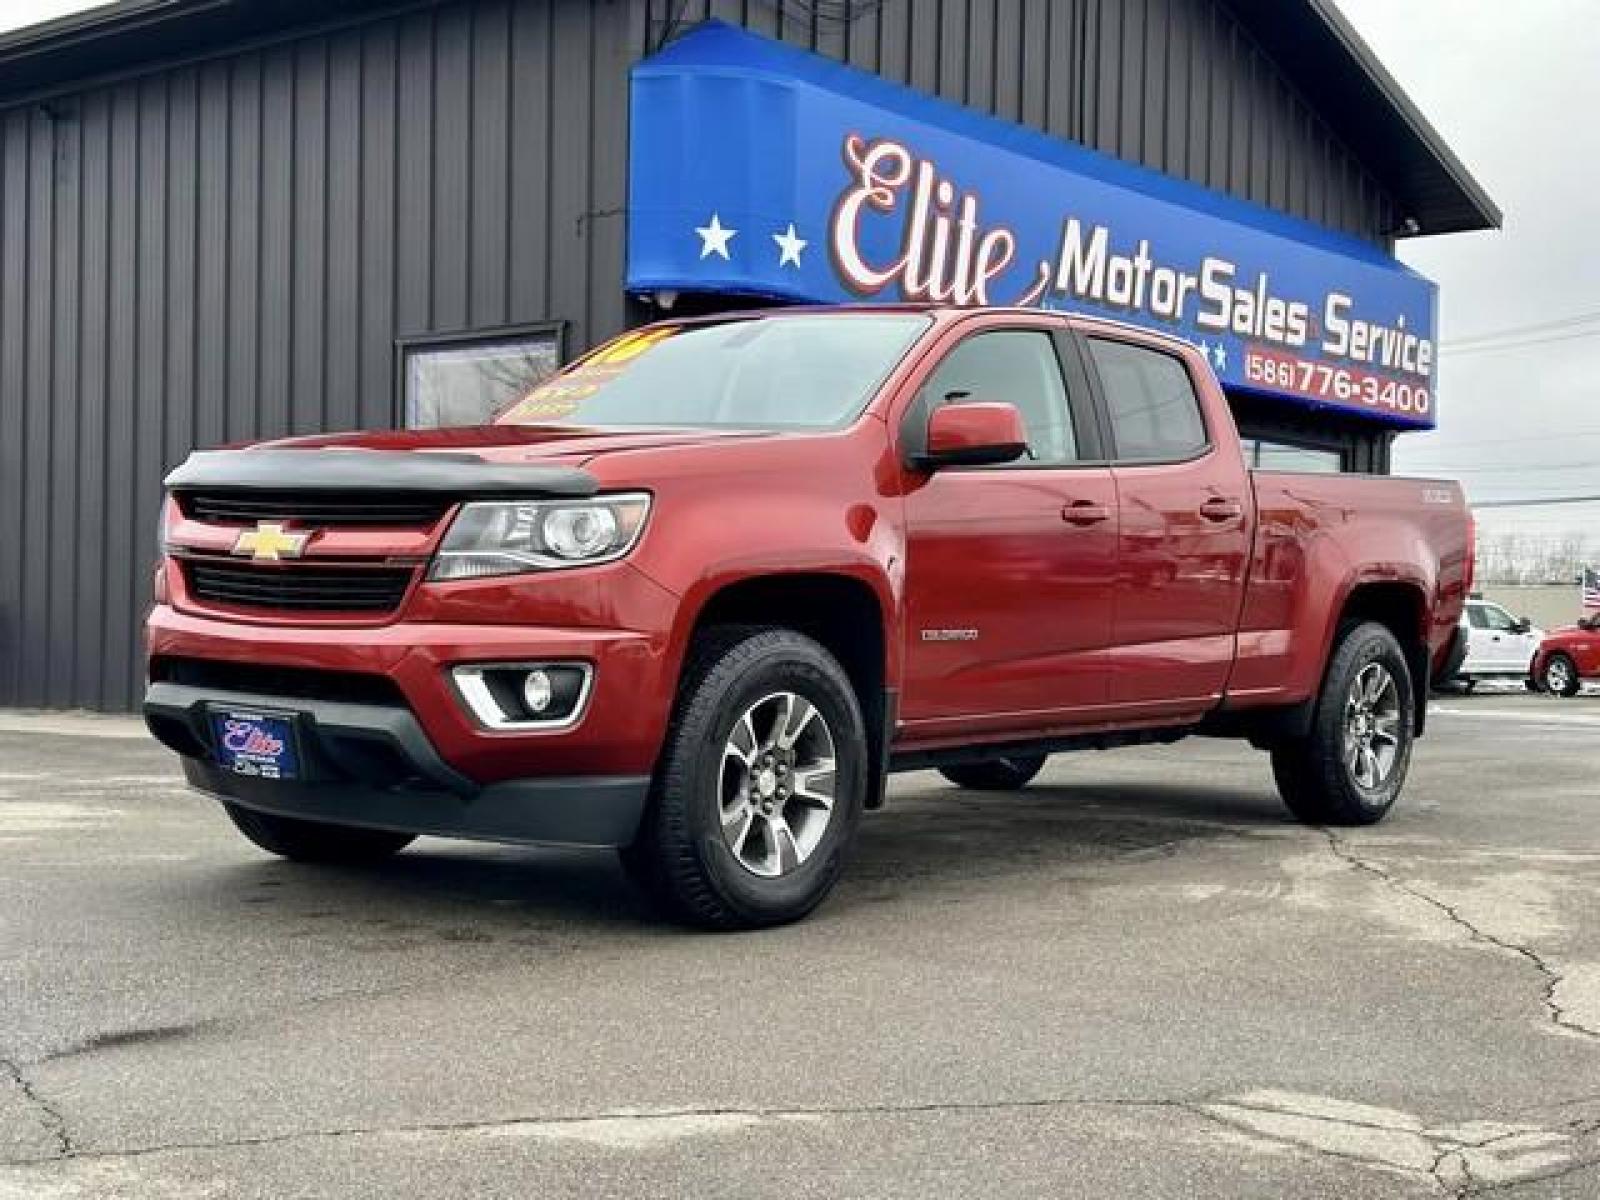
(1591, 588)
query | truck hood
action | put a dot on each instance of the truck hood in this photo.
(513, 444)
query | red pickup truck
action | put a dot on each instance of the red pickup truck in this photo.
(698, 594)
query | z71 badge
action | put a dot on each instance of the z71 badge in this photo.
(949, 635)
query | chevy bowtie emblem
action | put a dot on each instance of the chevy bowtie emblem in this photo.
(271, 542)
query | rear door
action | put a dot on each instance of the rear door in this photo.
(1009, 569)
(1184, 536)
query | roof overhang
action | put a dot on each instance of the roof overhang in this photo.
(1313, 44)
(1341, 77)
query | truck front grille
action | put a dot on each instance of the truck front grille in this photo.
(318, 509)
(329, 589)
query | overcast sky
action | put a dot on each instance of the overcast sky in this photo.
(1513, 88)
(14, 13)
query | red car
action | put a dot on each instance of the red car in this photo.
(698, 594)
(1566, 657)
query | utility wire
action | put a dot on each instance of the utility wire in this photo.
(1518, 344)
(1566, 435)
(1502, 469)
(1534, 502)
(1518, 330)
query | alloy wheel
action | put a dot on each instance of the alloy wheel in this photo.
(1372, 727)
(776, 785)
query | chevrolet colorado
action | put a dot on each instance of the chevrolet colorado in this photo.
(698, 594)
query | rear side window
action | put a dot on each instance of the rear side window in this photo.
(1154, 411)
(1014, 366)
(1475, 617)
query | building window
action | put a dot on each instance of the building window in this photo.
(465, 379)
(1265, 455)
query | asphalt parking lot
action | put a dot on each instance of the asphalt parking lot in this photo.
(1137, 979)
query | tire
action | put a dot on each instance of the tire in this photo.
(1325, 778)
(315, 842)
(997, 774)
(1559, 675)
(725, 844)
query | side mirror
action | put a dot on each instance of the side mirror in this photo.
(973, 434)
(1523, 625)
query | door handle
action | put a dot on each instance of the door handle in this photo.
(1219, 509)
(1085, 512)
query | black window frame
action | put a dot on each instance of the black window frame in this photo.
(1309, 445)
(409, 344)
(1082, 412)
(1103, 408)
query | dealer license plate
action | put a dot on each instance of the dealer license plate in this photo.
(257, 744)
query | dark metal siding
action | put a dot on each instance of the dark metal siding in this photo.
(228, 248)
(1177, 85)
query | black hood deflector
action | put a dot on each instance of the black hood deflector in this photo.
(345, 470)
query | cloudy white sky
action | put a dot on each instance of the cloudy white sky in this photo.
(14, 13)
(1510, 87)
(1513, 89)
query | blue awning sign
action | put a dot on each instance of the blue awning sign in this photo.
(758, 169)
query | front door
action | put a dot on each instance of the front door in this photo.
(1505, 649)
(1185, 533)
(1009, 569)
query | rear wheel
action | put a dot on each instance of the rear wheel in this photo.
(761, 783)
(1560, 675)
(314, 841)
(1349, 769)
(996, 774)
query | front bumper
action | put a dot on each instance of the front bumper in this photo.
(618, 734)
(372, 766)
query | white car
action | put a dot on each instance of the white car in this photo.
(1499, 645)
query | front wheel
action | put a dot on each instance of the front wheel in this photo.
(315, 841)
(761, 783)
(996, 774)
(1349, 768)
(1560, 675)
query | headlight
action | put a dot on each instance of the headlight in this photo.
(503, 538)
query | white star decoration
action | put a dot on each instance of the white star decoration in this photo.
(790, 244)
(1217, 355)
(714, 238)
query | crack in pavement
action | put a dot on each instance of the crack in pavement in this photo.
(600, 1119)
(49, 1116)
(1552, 978)
(1438, 1155)
(1570, 1169)
(1460, 1160)
(1455, 1190)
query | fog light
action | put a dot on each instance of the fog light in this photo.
(525, 695)
(537, 692)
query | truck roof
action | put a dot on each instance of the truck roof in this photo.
(942, 313)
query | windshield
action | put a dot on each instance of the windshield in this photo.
(797, 372)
